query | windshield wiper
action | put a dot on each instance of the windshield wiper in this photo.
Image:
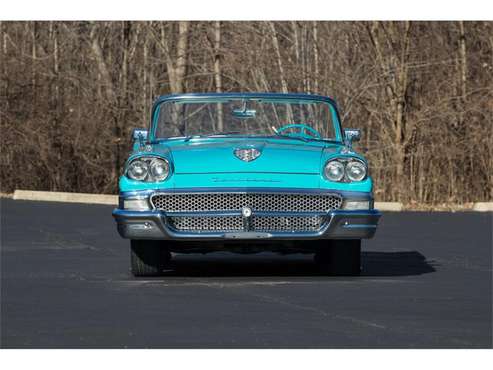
(305, 139)
(219, 133)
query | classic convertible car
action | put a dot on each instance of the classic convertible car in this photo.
(245, 173)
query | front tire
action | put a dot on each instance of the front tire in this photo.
(148, 257)
(340, 257)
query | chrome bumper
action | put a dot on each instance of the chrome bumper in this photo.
(340, 224)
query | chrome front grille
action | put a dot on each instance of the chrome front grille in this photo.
(268, 211)
(261, 202)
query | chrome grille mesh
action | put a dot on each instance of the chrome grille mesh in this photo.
(287, 223)
(235, 223)
(194, 224)
(257, 202)
(266, 202)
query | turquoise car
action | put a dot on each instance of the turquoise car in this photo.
(245, 173)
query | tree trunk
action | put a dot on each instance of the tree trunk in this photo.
(282, 75)
(56, 104)
(177, 70)
(315, 57)
(110, 94)
(275, 43)
(33, 67)
(146, 95)
(394, 68)
(101, 64)
(217, 72)
(463, 73)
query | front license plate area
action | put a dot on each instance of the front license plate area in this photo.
(247, 235)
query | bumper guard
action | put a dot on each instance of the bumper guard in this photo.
(340, 224)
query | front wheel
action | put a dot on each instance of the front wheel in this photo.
(340, 257)
(148, 257)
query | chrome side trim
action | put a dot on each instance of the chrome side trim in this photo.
(359, 226)
(249, 189)
(239, 213)
(346, 195)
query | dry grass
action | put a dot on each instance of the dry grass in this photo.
(442, 207)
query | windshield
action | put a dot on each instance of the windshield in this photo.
(308, 119)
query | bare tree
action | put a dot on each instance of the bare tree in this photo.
(70, 93)
(217, 72)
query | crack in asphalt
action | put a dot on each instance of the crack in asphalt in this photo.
(464, 263)
(319, 311)
(236, 284)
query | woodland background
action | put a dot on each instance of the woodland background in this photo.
(422, 93)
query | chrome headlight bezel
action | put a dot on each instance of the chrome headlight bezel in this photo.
(154, 166)
(334, 164)
(347, 163)
(150, 164)
(137, 164)
(355, 177)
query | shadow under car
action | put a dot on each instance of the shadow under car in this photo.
(401, 263)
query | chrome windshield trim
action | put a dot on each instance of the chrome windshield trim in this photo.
(218, 97)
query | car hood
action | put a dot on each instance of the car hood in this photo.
(219, 157)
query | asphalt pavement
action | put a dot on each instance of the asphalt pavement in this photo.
(65, 283)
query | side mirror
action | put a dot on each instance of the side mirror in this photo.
(351, 135)
(140, 134)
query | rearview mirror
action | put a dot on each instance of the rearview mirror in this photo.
(351, 135)
(244, 113)
(140, 134)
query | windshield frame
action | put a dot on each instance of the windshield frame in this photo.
(218, 97)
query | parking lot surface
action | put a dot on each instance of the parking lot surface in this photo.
(65, 283)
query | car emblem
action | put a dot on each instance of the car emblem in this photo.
(246, 212)
(247, 154)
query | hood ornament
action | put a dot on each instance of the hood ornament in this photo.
(247, 154)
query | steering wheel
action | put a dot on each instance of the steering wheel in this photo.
(304, 130)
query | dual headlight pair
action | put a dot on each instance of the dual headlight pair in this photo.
(150, 169)
(345, 169)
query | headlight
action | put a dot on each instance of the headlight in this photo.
(137, 170)
(334, 171)
(148, 169)
(345, 170)
(159, 169)
(355, 171)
